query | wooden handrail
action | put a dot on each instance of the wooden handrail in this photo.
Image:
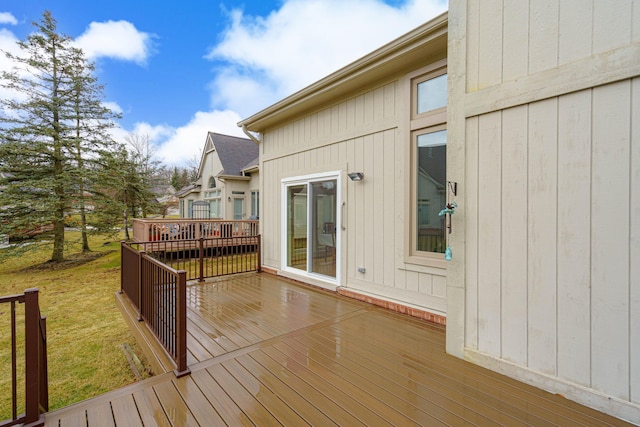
(162, 229)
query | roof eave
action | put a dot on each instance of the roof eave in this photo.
(387, 60)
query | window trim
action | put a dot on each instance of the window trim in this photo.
(255, 203)
(217, 198)
(418, 124)
(414, 188)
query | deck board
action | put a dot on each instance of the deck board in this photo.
(264, 350)
(125, 412)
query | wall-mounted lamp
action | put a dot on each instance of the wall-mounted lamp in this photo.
(356, 176)
(229, 198)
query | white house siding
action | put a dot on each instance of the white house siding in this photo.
(365, 134)
(544, 112)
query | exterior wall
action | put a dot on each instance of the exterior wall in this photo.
(229, 186)
(212, 167)
(544, 111)
(364, 133)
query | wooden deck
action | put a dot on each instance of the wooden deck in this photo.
(266, 351)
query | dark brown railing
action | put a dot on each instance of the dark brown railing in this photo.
(35, 367)
(154, 276)
(203, 258)
(163, 305)
(159, 293)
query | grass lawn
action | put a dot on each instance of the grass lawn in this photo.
(85, 330)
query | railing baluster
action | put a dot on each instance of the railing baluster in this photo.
(14, 361)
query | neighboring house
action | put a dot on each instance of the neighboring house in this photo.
(227, 185)
(167, 199)
(534, 108)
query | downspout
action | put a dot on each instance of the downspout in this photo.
(250, 135)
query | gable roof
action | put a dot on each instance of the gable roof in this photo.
(234, 152)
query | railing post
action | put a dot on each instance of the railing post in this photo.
(140, 279)
(201, 258)
(259, 267)
(122, 263)
(181, 325)
(33, 347)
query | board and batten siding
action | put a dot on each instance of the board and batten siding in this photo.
(546, 100)
(362, 133)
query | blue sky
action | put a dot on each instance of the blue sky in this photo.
(179, 69)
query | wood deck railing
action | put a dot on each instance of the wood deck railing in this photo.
(158, 229)
(36, 389)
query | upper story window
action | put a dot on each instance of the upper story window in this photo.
(431, 94)
(212, 182)
(428, 124)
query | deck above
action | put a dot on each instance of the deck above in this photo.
(266, 351)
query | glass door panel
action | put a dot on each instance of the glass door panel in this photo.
(297, 226)
(238, 208)
(323, 227)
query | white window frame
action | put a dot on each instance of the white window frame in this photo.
(255, 203)
(306, 180)
(214, 195)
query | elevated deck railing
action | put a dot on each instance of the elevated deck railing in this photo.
(158, 229)
(202, 258)
(154, 277)
(159, 293)
(36, 390)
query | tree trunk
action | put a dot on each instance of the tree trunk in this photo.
(83, 222)
(58, 237)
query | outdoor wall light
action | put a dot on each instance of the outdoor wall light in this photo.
(356, 176)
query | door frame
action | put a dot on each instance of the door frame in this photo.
(332, 283)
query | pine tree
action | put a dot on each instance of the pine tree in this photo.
(52, 135)
(92, 145)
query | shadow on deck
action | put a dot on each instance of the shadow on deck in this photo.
(266, 351)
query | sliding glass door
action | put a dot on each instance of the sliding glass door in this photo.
(310, 225)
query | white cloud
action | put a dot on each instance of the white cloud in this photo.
(268, 58)
(8, 18)
(8, 43)
(177, 146)
(113, 106)
(116, 39)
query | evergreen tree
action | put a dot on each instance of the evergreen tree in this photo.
(52, 134)
(92, 146)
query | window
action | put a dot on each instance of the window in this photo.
(190, 208)
(212, 182)
(215, 203)
(255, 204)
(431, 94)
(428, 161)
(431, 176)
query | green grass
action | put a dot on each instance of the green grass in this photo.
(85, 330)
